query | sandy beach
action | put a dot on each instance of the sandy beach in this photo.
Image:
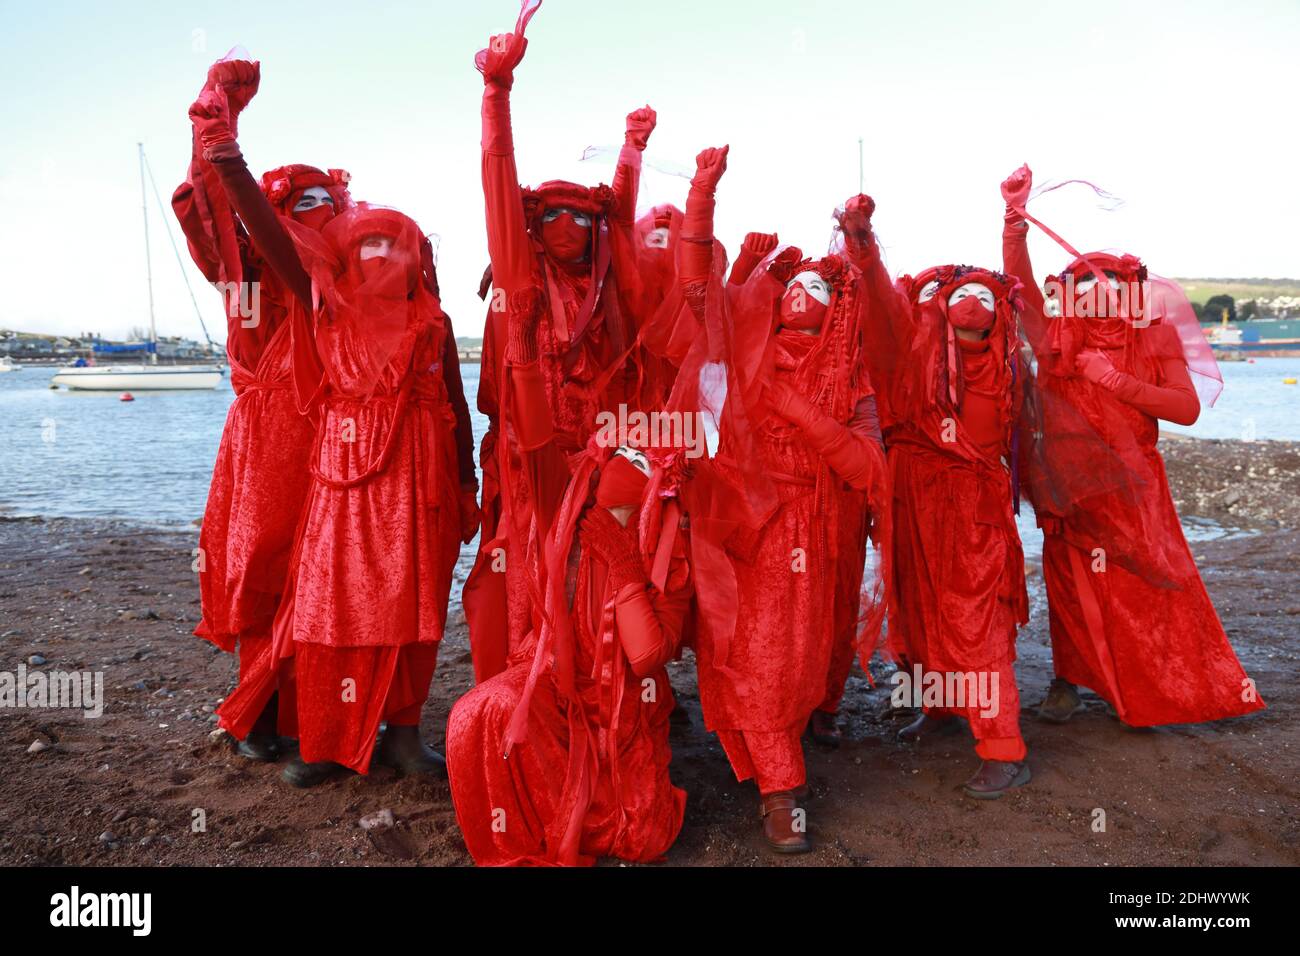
(122, 789)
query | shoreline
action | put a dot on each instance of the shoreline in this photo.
(110, 596)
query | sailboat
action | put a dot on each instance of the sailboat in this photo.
(141, 377)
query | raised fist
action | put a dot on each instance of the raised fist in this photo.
(1016, 187)
(238, 79)
(498, 61)
(211, 118)
(640, 124)
(710, 164)
(759, 244)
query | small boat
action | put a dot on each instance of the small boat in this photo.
(137, 378)
(89, 377)
(7, 365)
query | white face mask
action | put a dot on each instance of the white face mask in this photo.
(579, 218)
(976, 289)
(928, 290)
(312, 197)
(376, 247)
(1083, 285)
(657, 238)
(814, 285)
(636, 457)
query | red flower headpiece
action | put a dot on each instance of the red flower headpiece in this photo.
(594, 200)
(282, 184)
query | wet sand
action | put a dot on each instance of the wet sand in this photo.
(123, 789)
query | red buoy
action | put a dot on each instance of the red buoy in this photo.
(127, 397)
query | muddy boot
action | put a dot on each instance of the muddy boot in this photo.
(261, 744)
(1061, 703)
(996, 777)
(299, 773)
(402, 749)
(925, 727)
(264, 748)
(784, 823)
(823, 729)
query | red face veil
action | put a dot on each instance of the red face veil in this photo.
(285, 186)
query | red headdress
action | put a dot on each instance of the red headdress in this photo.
(284, 185)
(370, 313)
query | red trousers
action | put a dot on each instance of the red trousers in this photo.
(997, 736)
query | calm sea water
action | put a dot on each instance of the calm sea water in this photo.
(87, 454)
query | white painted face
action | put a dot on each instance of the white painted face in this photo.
(579, 218)
(657, 238)
(928, 290)
(976, 289)
(376, 247)
(312, 197)
(636, 457)
(817, 287)
(1084, 285)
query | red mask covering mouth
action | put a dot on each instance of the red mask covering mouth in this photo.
(970, 315)
(621, 484)
(802, 308)
(316, 217)
(563, 237)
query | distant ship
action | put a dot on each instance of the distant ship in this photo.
(1255, 338)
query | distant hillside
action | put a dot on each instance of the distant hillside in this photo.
(1199, 290)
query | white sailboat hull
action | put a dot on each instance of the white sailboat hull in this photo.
(140, 378)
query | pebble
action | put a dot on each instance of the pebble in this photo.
(381, 820)
(147, 614)
(37, 746)
(13, 633)
(107, 837)
(36, 660)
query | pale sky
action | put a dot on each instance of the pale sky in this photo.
(1185, 110)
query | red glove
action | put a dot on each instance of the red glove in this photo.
(211, 119)
(640, 124)
(470, 516)
(616, 546)
(238, 80)
(789, 404)
(856, 225)
(752, 250)
(710, 164)
(503, 53)
(521, 329)
(1096, 367)
(1015, 190)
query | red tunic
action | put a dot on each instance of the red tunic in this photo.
(1143, 633)
(591, 777)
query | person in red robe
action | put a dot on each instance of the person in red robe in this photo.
(574, 243)
(945, 350)
(1129, 615)
(260, 477)
(823, 726)
(581, 713)
(799, 428)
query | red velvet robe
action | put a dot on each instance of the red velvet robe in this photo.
(1155, 651)
(498, 607)
(958, 566)
(591, 779)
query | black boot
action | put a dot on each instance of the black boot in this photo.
(402, 749)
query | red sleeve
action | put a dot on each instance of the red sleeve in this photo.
(1174, 399)
(889, 325)
(743, 267)
(650, 625)
(626, 185)
(854, 451)
(268, 234)
(1015, 262)
(696, 253)
(507, 232)
(459, 408)
(545, 466)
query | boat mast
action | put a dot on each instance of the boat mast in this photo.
(148, 266)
